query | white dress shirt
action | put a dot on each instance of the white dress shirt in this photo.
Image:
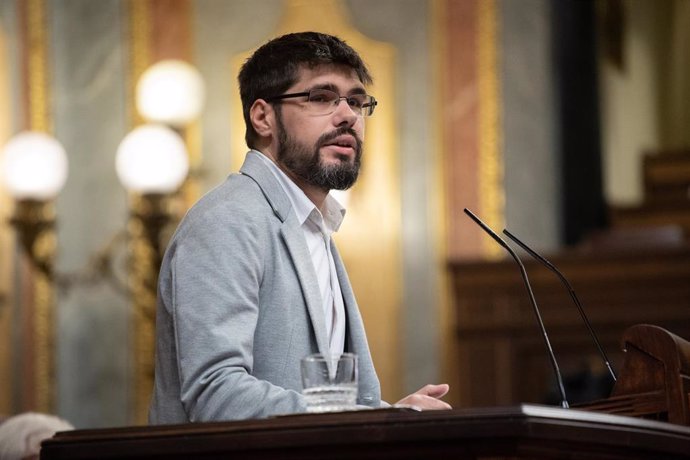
(318, 229)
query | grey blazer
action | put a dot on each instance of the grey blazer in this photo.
(239, 306)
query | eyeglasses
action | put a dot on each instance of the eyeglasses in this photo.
(325, 101)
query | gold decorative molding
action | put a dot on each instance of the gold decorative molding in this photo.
(38, 99)
(141, 270)
(6, 248)
(44, 324)
(491, 193)
(191, 190)
(38, 75)
(372, 253)
(139, 51)
(143, 280)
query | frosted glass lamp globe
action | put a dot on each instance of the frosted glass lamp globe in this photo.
(152, 159)
(170, 92)
(33, 166)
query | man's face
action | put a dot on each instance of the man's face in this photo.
(322, 150)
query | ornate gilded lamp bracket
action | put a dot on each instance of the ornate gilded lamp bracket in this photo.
(32, 220)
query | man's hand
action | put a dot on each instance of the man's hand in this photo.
(427, 398)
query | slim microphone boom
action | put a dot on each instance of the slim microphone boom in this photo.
(523, 272)
(573, 296)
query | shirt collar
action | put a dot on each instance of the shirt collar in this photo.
(333, 214)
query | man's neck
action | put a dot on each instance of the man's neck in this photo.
(316, 195)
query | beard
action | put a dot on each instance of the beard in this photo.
(306, 162)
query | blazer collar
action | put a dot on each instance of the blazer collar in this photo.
(253, 167)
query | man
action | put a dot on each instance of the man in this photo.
(251, 282)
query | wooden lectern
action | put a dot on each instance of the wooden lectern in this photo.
(527, 431)
(653, 383)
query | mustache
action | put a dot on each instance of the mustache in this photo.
(328, 137)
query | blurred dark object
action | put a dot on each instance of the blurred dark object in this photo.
(612, 25)
(576, 63)
(666, 177)
(634, 238)
(585, 385)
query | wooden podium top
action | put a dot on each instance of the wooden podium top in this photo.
(525, 431)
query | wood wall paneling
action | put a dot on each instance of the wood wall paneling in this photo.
(503, 359)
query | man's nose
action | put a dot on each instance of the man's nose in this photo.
(344, 114)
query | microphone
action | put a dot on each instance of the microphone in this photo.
(573, 296)
(523, 272)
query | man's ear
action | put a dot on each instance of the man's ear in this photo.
(262, 117)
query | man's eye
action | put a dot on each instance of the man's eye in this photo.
(357, 102)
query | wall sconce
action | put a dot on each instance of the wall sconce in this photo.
(34, 167)
(170, 92)
(152, 162)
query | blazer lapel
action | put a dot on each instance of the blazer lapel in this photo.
(354, 332)
(294, 241)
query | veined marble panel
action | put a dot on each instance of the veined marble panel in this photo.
(529, 124)
(89, 69)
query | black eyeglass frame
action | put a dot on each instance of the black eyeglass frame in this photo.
(367, 108)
